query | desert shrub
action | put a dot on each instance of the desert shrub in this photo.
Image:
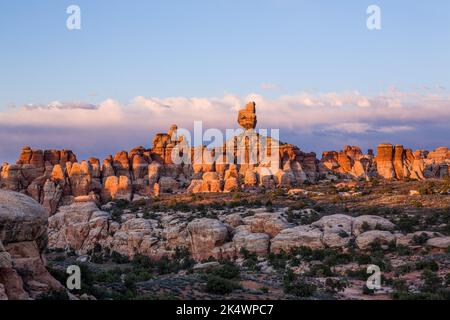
(116, 215)
(219, 285)
(335, 285)
(427, 188)
(312, 217)
(417, 204)
(431, 281)
(403, 250)
(365, 227)
(250, 260)
(299, 205)
(320, 270)
(264, 289)
(297, 285)
(405, 268)
(279, 260)
(54, 295)
(109, 276)
(58, 274)
(427, 264)
(118, 258)
(359, 274)
(148, 214)
(121, 204)
(420, 239)
(236, 196)
(367, 291)
(400, 285)
(227, 271)
(362, 258)
(280, 192)
(406, 223)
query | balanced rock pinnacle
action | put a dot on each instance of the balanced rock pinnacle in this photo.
(247, 116)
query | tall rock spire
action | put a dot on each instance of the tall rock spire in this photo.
(247, 117)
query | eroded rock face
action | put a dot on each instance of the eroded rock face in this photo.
(78, 227)
(391, 162)
(23, 239)
(55, 177)
(254, 242)
(206, 234)
(384, 159)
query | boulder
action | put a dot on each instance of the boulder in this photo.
(301, 236)
(335, 223)
(373, 222)
(439, 243)
(206, 234)
(79, 226)
(23, 240)
(366, 239)
(270, 223)
(254, 242)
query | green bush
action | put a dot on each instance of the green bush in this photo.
(335, 285)
(367, 291)
(226, 271)
(427, 264)
(420, 239)
(320, 270)
(118, 258)
(406, 223)
(219, 285)
(298, 286)
(431, 281)
(54, 295)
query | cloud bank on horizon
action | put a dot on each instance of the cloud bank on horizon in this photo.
(312, 121)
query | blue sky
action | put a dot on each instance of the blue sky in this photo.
(211, 48)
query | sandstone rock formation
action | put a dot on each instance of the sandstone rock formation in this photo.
(391, 162)
(247, 116)
(23, 239)
(55, 177)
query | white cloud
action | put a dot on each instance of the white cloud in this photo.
(83, 125)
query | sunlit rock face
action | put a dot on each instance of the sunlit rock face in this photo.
(247, 117)
(390, 163)
(56, 177)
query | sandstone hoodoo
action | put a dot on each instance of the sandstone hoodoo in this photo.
(390, 163)
(141, 214)
(55, 177)
(247, 117)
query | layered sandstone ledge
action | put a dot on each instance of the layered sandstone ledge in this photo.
(56, 177)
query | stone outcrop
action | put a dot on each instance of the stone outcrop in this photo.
(23, 239)
(206, 234)
(364, 240)
(247, 116)
(391, 162)
(301, 236)
(56, 177)
(83, 226)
